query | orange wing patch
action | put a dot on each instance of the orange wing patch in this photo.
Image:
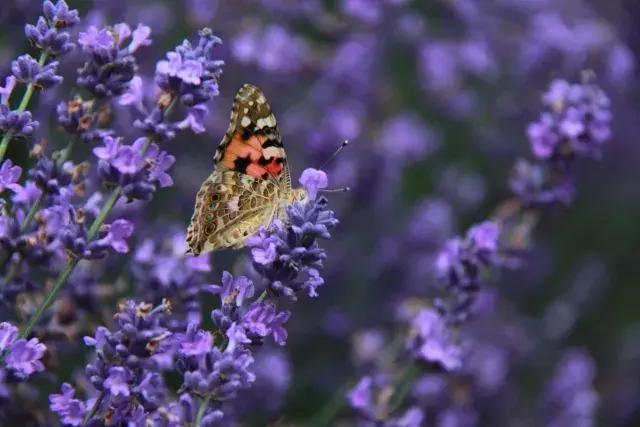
(254, 156)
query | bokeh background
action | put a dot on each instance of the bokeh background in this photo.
(435, 98)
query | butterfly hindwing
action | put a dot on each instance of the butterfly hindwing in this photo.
(230, 207)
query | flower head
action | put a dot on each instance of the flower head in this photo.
(191, 72)
(49, 33)
(70, 410)
(9, 176)
(313, 180)
(432, 341)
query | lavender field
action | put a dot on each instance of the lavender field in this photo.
(407, 213)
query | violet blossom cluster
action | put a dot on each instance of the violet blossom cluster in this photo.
(288, 258)
(51, 36)
(130, 362)
(580, 127)
(432, 99)
(576, 124)
(49, 223)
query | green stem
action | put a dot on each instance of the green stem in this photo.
(24, 103)
(407, 378)
(64, 275)
(94, 409)
(263, 296)
(63, 155)
(71, 265)
(32, 213)
(104, 212)
(330, 410)
(204, 404)
(50, 298)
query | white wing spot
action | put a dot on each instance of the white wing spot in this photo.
(246, 121)
(270, 121)
(270, 152)
(233, 204)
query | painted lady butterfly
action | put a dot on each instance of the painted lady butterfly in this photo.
(250, 184)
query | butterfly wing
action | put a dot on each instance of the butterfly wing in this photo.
(230, 207)
(251, 176)
(252, 145)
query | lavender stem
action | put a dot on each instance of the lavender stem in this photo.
(201, 411)
(26, 98)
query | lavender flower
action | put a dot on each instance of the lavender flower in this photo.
(111, 64)
(571, 398)
(288, 257)
(461, 264)
(9, 176)
(19, 124)
(431, 340)
(70, 410)
(313, 180)
(211, 373)
(233, 292)
(261, 320)
(48, 34)
(577, 123)
(126, 369)
(138, 171)
(28, 71)
(75, 116)
(191, 73)
(370, 397)
(21, 358)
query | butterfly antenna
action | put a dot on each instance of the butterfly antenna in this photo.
(335, 153)
(335, 190)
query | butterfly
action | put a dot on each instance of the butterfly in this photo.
(250, 184)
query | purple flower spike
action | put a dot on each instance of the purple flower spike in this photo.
(111, 65)
(21, 124)
(27, 70)
(191, 72)
(60, 15)
(49, 32)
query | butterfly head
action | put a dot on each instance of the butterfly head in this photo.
(299, 195)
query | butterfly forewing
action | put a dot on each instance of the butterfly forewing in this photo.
(250, 178)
